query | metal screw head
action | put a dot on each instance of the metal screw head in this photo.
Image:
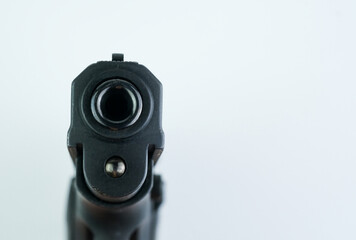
(115, 167)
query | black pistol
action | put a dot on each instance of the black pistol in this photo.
(115, 139)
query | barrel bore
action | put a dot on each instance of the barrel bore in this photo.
(116, 104)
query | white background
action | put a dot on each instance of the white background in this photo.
(259, 112)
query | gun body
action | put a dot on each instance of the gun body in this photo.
(115, 139)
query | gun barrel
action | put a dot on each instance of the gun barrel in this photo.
(116, 103)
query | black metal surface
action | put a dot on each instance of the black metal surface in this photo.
(116, 112)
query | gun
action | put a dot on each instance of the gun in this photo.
(115, 139)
